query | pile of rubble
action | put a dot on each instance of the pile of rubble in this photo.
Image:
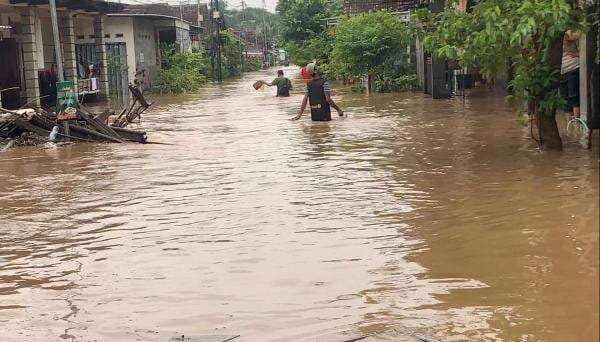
(31, 127)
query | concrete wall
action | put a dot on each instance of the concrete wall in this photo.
(84, 29)
(120, 30)
(8, 17)
(146, 47)
(47, 57)
(40, 44)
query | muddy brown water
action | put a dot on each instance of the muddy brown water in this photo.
(431, 217)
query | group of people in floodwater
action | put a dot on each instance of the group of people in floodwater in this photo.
(318, 94)
(318, 90)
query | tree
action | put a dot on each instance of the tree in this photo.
(364, 43)
(301, 20)
(529, 33)
(303, 28)
(231, 50)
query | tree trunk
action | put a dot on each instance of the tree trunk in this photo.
(549, 135)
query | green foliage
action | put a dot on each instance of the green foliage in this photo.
(301, 20)
(384, 83)
(252, 64)
(318, 48)
(407, 82)
(365, 43)
(232, 56)
(298, 54)
(232, 51)
(182, 72)
(303, 29)
(497, 31)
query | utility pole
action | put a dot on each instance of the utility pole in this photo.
(266, 48)
(58, 51)
(218, 18)
(243, 10)
(57, 47)
(181, 10)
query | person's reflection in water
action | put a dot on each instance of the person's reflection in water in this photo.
(320, 137)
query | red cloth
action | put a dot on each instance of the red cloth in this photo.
(304, 73)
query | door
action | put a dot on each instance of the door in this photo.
(117, 69)
(9, 74)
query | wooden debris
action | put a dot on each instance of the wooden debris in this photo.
(204, 338)
(138, 106)
(131, 135)
(27, 126)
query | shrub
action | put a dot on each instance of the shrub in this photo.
(252, 64)
(182, 71)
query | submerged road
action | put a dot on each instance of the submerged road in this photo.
(430, 217)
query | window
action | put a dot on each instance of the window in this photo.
(85, 54)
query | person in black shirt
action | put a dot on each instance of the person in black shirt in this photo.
(318, 94)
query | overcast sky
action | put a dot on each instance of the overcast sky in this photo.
(232, 3)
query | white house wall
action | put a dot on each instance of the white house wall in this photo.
(120, 30)
(84, 29)
(146, 47)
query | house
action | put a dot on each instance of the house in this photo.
(27, 54)
(140, 30)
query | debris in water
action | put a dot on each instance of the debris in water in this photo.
(204, 338)
(31, 127)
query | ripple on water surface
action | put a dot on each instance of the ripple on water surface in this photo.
(411, 216)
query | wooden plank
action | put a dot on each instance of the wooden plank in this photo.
(93, 134)
(118, 120)
(131, 135)
(103, 117)
(100, 127)
(31, 128)
(137, 94)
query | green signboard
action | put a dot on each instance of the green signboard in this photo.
(66, 101)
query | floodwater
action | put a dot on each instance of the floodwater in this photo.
(436, 218)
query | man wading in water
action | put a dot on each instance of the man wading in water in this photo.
(318, 93)
(284, 85)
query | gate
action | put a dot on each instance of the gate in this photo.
(118, 80)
